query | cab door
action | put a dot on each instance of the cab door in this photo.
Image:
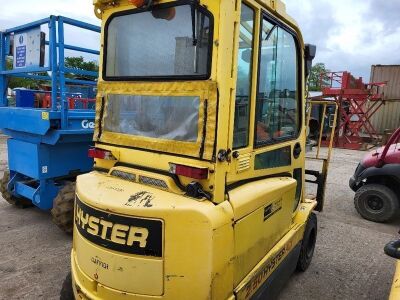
(267, 169)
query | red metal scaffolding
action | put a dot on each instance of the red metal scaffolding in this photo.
(357, 103)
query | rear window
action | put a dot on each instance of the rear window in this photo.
(170, 41)
(163, 117)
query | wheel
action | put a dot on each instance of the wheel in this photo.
(63, 208)
(376, 202)
(66, 290)
(308, 244)
(18, 202)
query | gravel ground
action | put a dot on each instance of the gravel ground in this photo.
(348, 263)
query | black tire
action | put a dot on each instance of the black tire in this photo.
(308, 244)
(63, 208)
(66, 290)
(376, 202)
(18, 202)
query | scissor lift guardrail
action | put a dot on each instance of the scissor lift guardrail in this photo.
(47, 146)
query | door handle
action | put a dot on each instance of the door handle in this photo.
(297, 150)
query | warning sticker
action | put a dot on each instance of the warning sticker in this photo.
(20, 56)
(45, 115)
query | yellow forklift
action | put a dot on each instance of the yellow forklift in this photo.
(198, 187)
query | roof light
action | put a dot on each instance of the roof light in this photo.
(139, 3)
(191, 172)
(100, 154)
(165, 13)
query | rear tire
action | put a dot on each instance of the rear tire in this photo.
(63, 208)
(18, 202)
(66, 290)
(377, 203)
(308, 244)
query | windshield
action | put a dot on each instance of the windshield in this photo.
(167, 42)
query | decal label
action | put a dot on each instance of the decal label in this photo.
(86, 124)
(45, 115)
(272, 209)
(119, 233)
(97, 261)
(252, 286)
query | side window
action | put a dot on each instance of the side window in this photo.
(277, 110)
(243, 86)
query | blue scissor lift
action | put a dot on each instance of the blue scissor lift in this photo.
(47, 147)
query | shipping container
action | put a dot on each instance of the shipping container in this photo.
(388, 117)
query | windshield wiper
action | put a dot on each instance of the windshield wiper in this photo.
(198, 32)
(195, 41)
(194, 26)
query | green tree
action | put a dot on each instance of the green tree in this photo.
(81, 64)
(70, 62)
(314, 81)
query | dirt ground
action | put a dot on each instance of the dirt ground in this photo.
(349, 262)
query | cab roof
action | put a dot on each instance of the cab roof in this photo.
(276, 5)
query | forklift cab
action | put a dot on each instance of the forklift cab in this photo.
(198, 188)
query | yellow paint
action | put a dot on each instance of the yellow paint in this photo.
(395, 292)
(112, 269)
(255, 231)
(208, 228)
(218, 249)
(45, 115)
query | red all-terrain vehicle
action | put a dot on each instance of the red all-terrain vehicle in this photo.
(376, 182)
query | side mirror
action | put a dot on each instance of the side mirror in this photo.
(309, 52)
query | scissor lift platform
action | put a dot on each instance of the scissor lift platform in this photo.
(48, 144)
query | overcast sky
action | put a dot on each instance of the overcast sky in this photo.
(350, 34)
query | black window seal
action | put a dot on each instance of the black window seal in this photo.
(279, 24)
(204, 133)
(101, 118)
(168, 77)
(252, 79)
(214, 155)
(238, 184)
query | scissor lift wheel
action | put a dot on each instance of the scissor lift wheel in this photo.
(18, 202)
(63, 208)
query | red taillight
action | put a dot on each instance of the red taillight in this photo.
(191, 172)
(100, 153)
